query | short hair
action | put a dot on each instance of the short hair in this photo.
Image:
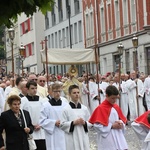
(29, 83)
(19, 79)
(49, 87)
(56, 86)
(13, 98)
(111, 90)
(71, 87)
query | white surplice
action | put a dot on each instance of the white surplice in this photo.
(55, 137)
(84, 95)
(78, 139)
(111, 139)
(131, 86)
(143, 134)
(124, 98)
(116, 84)
(147, 91)
(93, 89)
(103, 85)
(2, 101)
(34, 107)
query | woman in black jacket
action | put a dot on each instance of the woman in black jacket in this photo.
(13, 123)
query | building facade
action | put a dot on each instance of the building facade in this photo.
(108, 22)
(31, 32)
(58, 29)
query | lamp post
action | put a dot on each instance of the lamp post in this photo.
(11, 33)
(22, 55)
(120, 51)
(135, 45)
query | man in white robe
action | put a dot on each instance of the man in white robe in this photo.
(147, 91)
(141, 127)
(109, 122)
(124, 96)
(74, 122)
(103, 85)
(33, 104)
(135, 92)
(50, 120)
(94, 98)
(2, 101)
(85, 92)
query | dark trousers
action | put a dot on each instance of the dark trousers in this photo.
(41, 145)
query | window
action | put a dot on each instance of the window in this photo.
(75, 33)
(68, 8)
(60, 10)
(53, 16)
(80, 31)
(59, 36)
(133, 11)
(52, 38)
(127, 58)
(32, 48)
(25, 26)
(29, 49)
(109, 16)
(63, 37)
(116, 63)
(56, 46)
(76, 6)
(67, 36)
(125, 12)
(87, 26)
(102, 16)
(46, 21)
(91, 24)
(148, 59)
(49, 41)
(117, 14)
(72, 34)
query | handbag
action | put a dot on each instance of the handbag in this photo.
(32, 145)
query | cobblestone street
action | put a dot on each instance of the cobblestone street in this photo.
(132, 140)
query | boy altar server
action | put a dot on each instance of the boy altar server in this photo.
(74, 122)
(109, 122)
(50, 120)
(141, 126)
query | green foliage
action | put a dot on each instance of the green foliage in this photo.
(9, 9)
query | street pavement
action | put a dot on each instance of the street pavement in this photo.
(132, 139)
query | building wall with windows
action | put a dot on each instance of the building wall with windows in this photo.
(57, 29)
(117, 21)
(30, 33)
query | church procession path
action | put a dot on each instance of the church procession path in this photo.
(132, 140)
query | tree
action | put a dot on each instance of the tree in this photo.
(9, 9)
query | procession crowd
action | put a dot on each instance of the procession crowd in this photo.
(60, 109)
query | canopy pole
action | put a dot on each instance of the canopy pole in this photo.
(87, 82)
(42, 43)
(46, 59)
(97, 74)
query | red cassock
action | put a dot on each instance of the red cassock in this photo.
(143, 119)
(102, 112)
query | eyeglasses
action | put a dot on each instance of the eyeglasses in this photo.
(57, 91)
(42, 80)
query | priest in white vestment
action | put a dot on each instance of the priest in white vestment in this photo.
(75, 123)
(50, 120)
